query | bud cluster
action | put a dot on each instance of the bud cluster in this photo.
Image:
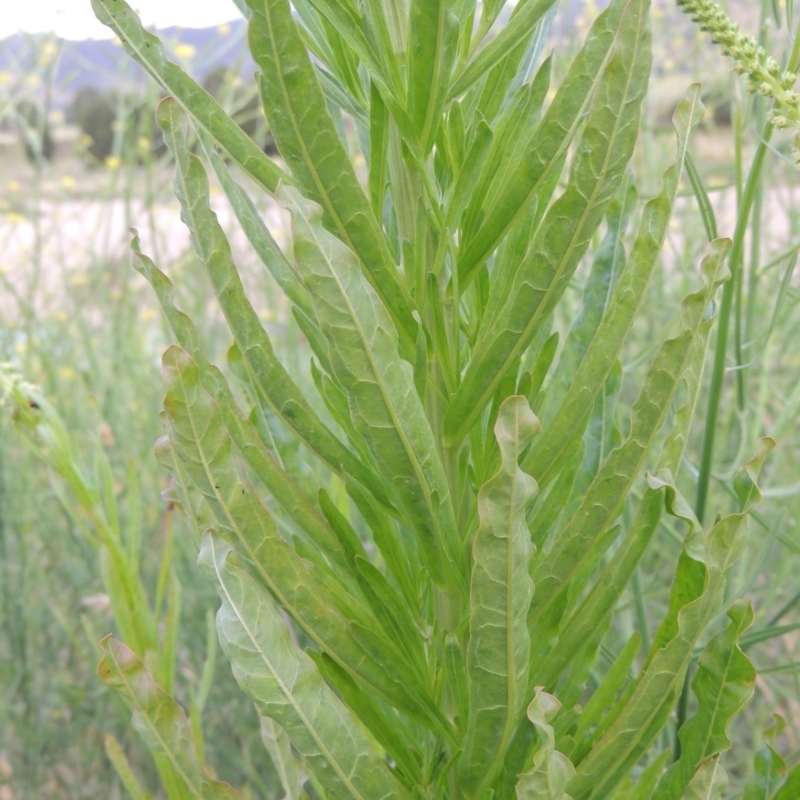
(764, 74)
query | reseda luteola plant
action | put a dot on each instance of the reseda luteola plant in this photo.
(457, 546)
(764, 75)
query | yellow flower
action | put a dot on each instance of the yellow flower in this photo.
(46, 54)
(14, 218)
(68, 182)
(224, 29)
(185, 51)
(5, 77)
(113, 162)
(33, 80)
(67, 373)
(148, 314)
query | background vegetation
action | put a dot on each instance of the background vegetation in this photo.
(78, 322)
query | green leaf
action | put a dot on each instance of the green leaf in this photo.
(287, 765)
(697, 596)
(603, 348)
(554, 135)
(324, 601)
(206, 113)
(551, 770)
(510, 138)
(161, 722)
(254, 227)
(343, 16)
(579, 545)
(432, 34)
(307, 139)
(500, 594)
(267, 373)
(521, 26)
(723, 683)
(384, 407)
(242, 431)
(557, 248)
(378, 151)
(708, 783)
(285, 685)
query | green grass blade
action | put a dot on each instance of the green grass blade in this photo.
(723, 683)
(500, 594)
(206, 113)
(384, 407)
(608, 143)
(285, 684)
(161, 722)
(307, 139)
(122, 766)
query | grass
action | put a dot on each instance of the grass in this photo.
(76, 320)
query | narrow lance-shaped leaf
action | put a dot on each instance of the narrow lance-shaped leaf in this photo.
(307, 139)
(268, 374)
(432, 35)
(286, 763)
(286, 685)
(722, 685)
(500, 594)
(241, 430)
(204, 109)
(521, 26)
(384, 406)
(697, 596)
(160, 721)
(345, 17)
(606, 343)
(254, 227)
(565, 232)
(322, 601)
(578, 547)
(549, 143)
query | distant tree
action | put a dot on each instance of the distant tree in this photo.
(34, 131)
(94, 113)
(116, 121)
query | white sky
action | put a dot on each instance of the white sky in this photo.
(74, 19)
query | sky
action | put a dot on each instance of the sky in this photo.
(74, 19)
